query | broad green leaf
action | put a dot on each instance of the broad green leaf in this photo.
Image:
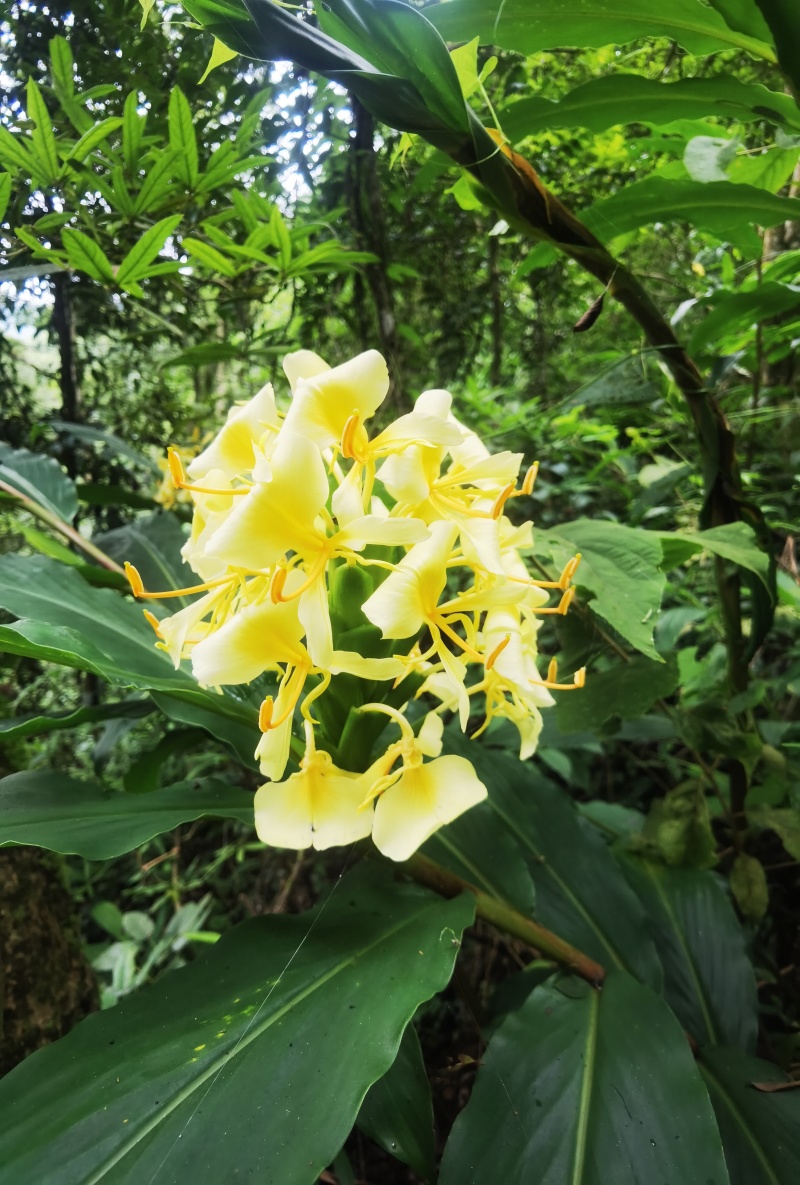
(61, 66)
(581, 893)
(629, 98)
(732, 541)
(722, 208)
(587, 1088)
(743, 16)
(465, 60)
(679, 825)
(146, 6)
(5, 193)
(621, 567)
(153, 545)
(627, 691)
(478, 847)
(708, 977)
(39, 725)
(182, 139)
(135, 264)
(41, 479)
(734, 313)
(43, 140)
(93, 137)
(52, 810)
(760, 1128)
(257, 1055)
(624, 382)
(783, 20)
(114, 443)
(239, 733)
(397, 1112)
(523, 28)
(220, 54)
(770, 169)
(86, 255)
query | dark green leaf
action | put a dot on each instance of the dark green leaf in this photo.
(397, 1112)
(41, 479)
(43, 140)
(86, 255)
(65, 815)
(114, 443)
(581, 893)
(749, 887)
(589, 1088)
(135, 264)
(629, 98)
(783, 19)
(734, 541)
(726, 210)
(708, 978)
(93, 137)
(257, 1055)
(744, 16)
(760, 1129)
(628, 690)
(39, 725)
(153, 545)
(515, 25)
(737, 312)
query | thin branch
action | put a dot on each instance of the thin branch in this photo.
(58, 524)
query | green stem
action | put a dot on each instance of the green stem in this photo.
(63, 528)
(505, 918)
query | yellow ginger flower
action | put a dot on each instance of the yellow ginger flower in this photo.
(358, 572)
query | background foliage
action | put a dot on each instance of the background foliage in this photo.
(167, 235)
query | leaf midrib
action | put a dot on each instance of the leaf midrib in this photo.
(218, 1063)
(741, 1121)
(587, 1078)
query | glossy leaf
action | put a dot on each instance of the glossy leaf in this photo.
(708, 977)
(587, 1087)
(523, 28)
(620, 98)
(94, 137)
(397, 1112)
(726, 210)
(478, 847)
(760, 1129)
(621, 566)
(64, 814)
(41, 479)
(744, 16)
(153, 545)
(225, 1062)
(581, 893)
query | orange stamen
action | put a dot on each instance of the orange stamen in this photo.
(498, 650)
(578, 680)
(152, 620)
(265, 714)
(276, 589)
(348, 436)
(179, 479)
(529, 480)
(138, 589)
(501, 500)
(562, 606)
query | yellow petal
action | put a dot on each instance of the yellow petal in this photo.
(315, 617)
(409, 476)
(255, 639)
(424, 798)
(322, 404)
(317, 807)
(232, 449)
(303, 364)
(429, 737)
(185, 625)
(389, 532)
(409, 595)
(416, 428)
(277, 516)
(347, 662)
(272, 751)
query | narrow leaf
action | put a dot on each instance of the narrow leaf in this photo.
(86, 255)
(182, 138)
(134, 265)
(42, 138)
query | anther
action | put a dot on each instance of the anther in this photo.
(134, 580)
(152, 620)
(529, 480)
(265, 714)
(552, 671)
(501, 500)
(580, 677)
(348, 435)
(498, 650)
(566, 601)
(276, 588)
(179, 479)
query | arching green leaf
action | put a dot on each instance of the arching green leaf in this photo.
(397, 1112)
(41, 479)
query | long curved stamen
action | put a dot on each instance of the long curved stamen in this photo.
(562, 606)
(179, 479)
(277, 593)
(294, 687)
(440, 623)
(139, 591)
(501, 500)
(321, 687)
(578, 679)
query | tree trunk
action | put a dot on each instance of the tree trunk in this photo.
(68, 372)
(46, 984)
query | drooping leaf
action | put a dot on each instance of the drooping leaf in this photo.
(397, 1112)
(581, 893)
(38, 725)
(723, 209)
(220, 54)
(709, 980)
(67, 815)
(114, 443)
(744, 16)
(621, 566)
(516, 25)
(41, 479)
(760, 1129)
(587, 1087)
(226, 1061)
(629, 98)
(478, 847)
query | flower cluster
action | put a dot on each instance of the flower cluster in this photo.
(362, 574)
